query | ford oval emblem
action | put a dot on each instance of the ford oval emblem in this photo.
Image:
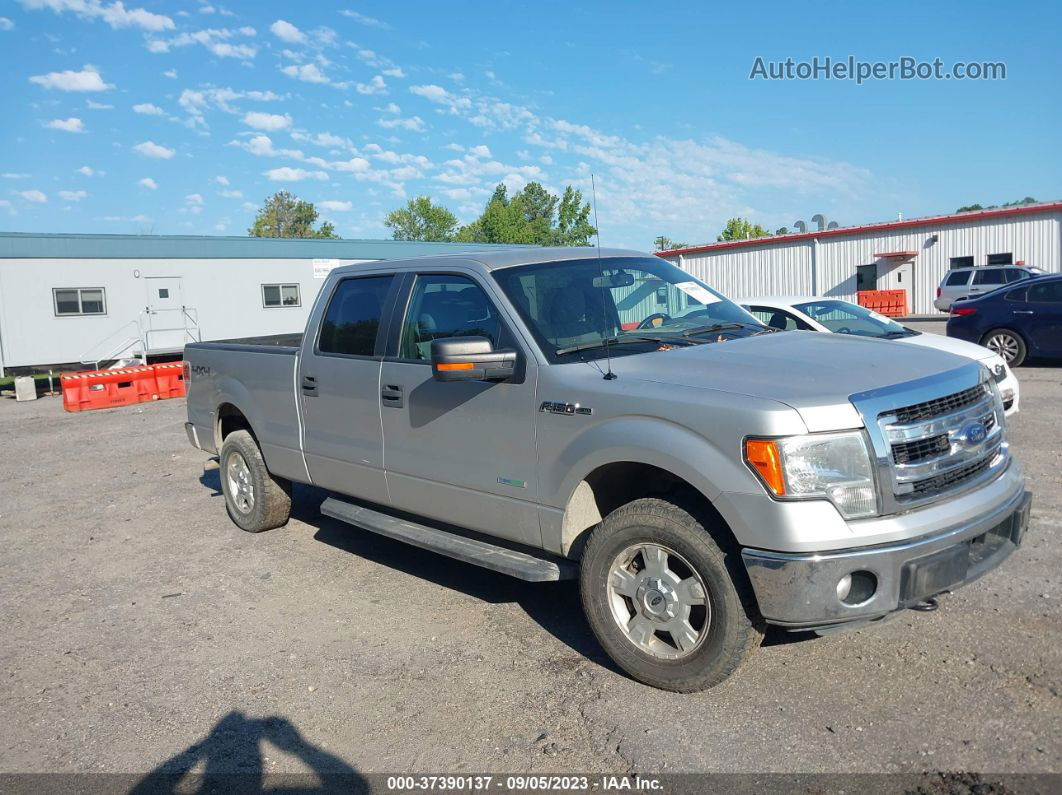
(974, 433)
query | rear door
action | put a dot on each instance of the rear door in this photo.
(1043, 328)
(339, 386)
(459, 452)
(987, 279)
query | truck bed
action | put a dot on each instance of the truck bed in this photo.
(270, 343)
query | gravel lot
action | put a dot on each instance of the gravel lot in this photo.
(142, 629)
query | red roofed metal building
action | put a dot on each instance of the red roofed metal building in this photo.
(911, 255)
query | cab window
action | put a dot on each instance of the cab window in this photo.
(447, 305)
(958, 279)
(778, 318)
(352, 320)
(989, 276)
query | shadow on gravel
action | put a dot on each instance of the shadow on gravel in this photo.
(554, 606)
(230, 759)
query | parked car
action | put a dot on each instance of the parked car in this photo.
(960, 283)
(1015, 322)
(701, 475)
(844, 317)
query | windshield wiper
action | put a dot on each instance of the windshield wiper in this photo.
(894, 335)
(605, 342)
(696, 330)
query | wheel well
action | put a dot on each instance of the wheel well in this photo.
(231, 419)
(612, 485)
(1009, 330)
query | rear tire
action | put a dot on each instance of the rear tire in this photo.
(255, 499)
(667, 603)
(1008, 344)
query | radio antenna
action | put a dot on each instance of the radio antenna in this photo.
(609, 375)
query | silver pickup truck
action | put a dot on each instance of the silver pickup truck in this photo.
(561, 413)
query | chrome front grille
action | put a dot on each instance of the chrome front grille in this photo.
(948, 439)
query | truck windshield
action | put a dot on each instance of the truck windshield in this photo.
(842, 317)
(625, 304)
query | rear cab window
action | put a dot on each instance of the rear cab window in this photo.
(351, 323)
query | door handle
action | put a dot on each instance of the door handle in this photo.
(391, 395)
(1022, 311)
(309, 386)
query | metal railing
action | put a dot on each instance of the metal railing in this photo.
(133, 339)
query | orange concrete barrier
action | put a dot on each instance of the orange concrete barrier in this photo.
(170, 380)
(106, 389)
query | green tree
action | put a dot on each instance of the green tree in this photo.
(285, 215)
(532, 215)
(783, 230)
(421, 219)
(741, 229)
(1017, 203)
(664, 243)
(969, 208)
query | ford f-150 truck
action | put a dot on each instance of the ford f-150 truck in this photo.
(601, 414)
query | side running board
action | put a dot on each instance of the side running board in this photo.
(521, 565)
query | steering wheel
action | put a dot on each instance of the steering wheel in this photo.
(650, 322)
(844, 330)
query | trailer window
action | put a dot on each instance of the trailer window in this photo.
(280, 295)
(79, 301)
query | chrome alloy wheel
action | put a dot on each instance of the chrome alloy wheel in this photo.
(241, 490)
(1005, 345)
(659, 601)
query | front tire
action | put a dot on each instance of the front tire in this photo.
(255, 500)
(1008, 344)
(667, 603)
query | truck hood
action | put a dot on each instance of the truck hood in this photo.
(811, 372)
(951, 345)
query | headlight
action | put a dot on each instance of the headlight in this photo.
(831, 466)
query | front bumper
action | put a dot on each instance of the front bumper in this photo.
(800, 590)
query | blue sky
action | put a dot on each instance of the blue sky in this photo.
(180, 117)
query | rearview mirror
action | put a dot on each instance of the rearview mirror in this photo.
(621, 279)
(470, 359)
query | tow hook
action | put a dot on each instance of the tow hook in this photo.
(926, 605)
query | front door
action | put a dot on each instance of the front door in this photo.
(459, 452)
(339, 389)
(165, 326)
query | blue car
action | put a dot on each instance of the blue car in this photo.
(1015, 322)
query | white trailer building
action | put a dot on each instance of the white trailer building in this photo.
(911, 255)
(88, 299)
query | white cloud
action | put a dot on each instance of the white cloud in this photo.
(66, 125)
(231, 194)
(139, 219)
(267, 121)
(374, 86)
(286, 174)
(193, 203)
(413, 123)
(440, 96)
(149, 183)
(335, 206)
(152, 149)
(307, 73)
(148, 109)
(88, 171)
(193, 198)
(170, 73)
(367, 21)
(92, 105)
(116, 14)
(13, 175)
(6, 24)
(72, 195)
(221, 180)
(33, 196)
(395, 71)
(285, 31)
(480, 151)
(216, 40)
(88, 79)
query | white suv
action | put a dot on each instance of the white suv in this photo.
(965, 282)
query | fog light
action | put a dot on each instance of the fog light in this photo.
(856, 588)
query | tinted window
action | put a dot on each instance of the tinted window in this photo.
(353, 316)
(1046, 293)
(447, 306)
(1016, 295)
(989, 276)
(958, 279)
(776, 318)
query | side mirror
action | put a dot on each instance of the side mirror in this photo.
(470, 359)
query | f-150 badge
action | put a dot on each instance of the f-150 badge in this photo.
(569, 409)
